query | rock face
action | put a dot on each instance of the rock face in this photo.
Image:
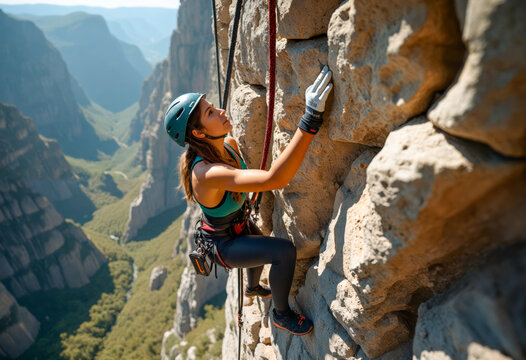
(402, 192)
(388, 211)
(388, 61)
(157, 277)
(38, 249)
(41, 163)
(194, 291)
(492, 300)
(185, 70)
(486, 102)
(19, 328)
(403, 232)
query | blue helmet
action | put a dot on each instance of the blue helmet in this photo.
(177, 115)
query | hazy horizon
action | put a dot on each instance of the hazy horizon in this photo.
(169, 4)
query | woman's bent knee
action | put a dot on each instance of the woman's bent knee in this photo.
(286, 252)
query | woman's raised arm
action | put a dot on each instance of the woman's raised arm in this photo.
(225, 177)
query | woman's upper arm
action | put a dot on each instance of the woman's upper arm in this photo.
(222, 176)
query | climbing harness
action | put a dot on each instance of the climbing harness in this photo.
(252, 206)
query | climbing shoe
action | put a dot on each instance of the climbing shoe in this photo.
(259, 290)
(292, 322)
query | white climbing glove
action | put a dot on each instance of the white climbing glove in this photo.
(315, 97)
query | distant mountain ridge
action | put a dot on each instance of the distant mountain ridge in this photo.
(35, 78)
(110, 71)
(148, 28)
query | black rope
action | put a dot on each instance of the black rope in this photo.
(217, 55)
(231, 51)
(239, 309)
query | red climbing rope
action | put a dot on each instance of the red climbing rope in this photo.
(256, 197)
(271, 78)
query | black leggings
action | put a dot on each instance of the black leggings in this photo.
(255, 250)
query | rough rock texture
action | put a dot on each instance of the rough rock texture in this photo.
(193, 290)
(40, 162)
(449, 325)
(304, 19)
(386, 211)
(486, 103)
(295, 215)
(157, 277)
(19, 328)
(423, 210)
(185, 70)
(388, 59)
(38, 249)
(248, 101)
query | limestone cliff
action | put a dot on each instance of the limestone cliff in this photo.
(193, 290)
(38, 249)
(40, 162)
(185, 70)
(19, 328)
(408, 210)
(417, 175)
(34, 77)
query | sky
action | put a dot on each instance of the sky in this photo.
(101, 3)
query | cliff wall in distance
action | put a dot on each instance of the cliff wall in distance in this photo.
(39, 250)
(35, 79)
(186, 69)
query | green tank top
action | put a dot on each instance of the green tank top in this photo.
(227, 205)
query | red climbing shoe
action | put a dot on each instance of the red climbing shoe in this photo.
(259, 290)
(292, 322)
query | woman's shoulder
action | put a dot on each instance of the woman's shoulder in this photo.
(232, 142)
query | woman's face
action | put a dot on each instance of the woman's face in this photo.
(213, 120)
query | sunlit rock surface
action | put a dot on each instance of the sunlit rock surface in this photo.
(401, 194)
(387, 211)
(486, 102)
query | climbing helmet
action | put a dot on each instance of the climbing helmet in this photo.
(177, 115)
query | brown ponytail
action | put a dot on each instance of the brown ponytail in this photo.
(199, 147)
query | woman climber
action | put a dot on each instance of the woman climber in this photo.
(215, 176)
